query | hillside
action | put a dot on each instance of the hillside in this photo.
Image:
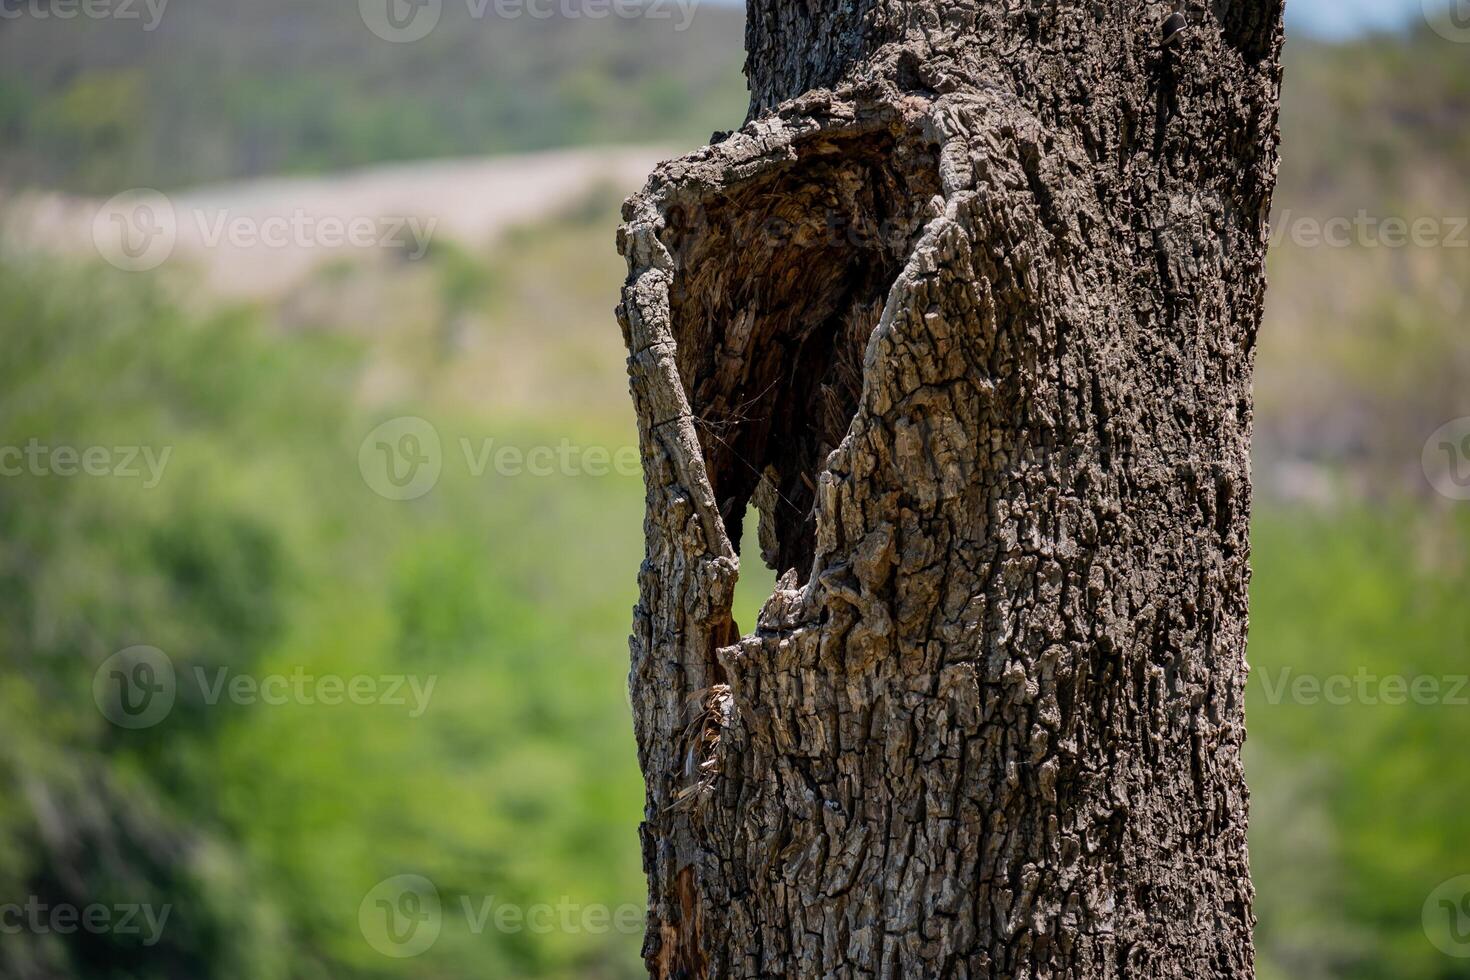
(222, 90)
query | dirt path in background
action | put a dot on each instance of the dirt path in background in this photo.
(255, 239)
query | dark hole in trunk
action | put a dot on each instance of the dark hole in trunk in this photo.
(780, 282)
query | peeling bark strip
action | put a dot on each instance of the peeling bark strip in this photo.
(968, 311)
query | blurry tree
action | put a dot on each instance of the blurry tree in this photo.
(968, 311)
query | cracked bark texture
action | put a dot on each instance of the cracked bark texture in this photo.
(967, 309)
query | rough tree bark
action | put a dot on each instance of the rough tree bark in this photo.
(967, 310)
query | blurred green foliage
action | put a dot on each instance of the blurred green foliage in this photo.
(264, 551)
(1360, 797)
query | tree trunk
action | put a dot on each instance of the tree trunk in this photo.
(968, 311)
